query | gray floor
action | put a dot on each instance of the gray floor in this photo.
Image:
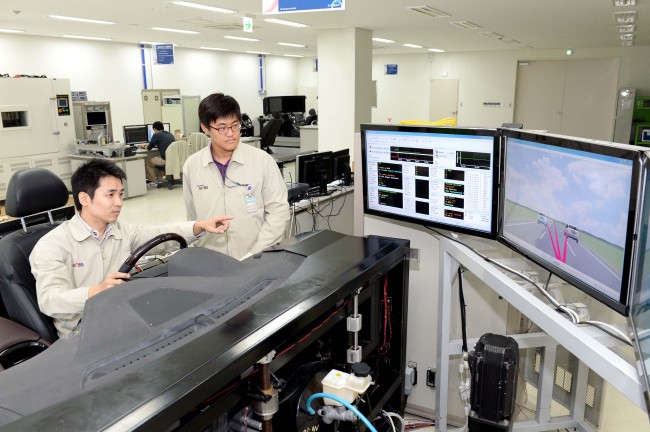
(162, 205)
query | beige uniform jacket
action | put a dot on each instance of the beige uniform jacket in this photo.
(254, 194)
(67, 261)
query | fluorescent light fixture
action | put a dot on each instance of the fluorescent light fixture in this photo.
(293, 55)
(625, 17)
(626, 37)
(624, 29)
(85, 20)
(292, 45)
(203, 7)
(412, 45)
(569, 52)
(493, 35)
(627, 43)
(624, 2)
(428, 10)
(436, 50)
(242, 38)
(286, 23)
(466, 25)
(258, 52)
(383, 40)
(95, 38)
(175, 30)
(154, 43)
(11, 31)
(215, 49)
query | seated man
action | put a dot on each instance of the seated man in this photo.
(80, 258)
(160, 139)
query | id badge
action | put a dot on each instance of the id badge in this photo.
(251, 206)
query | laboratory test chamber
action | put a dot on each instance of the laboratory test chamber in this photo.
(36, 128)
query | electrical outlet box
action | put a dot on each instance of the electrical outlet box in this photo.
(414, 254)
(431, 377)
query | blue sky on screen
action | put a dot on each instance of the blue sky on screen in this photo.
(591, 195)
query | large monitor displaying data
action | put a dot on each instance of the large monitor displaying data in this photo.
(570, 205)
(434, 176)
(135, 134)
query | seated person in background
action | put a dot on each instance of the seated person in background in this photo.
(236, 179)
(160, 139)
(80, 258)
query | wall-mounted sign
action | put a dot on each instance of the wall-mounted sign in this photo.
(248, 25)
(164, 54)
(391, 69)
(289, 6)
(79, 96)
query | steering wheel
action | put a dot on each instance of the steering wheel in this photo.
(130, 262)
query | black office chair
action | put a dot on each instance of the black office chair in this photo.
(270, 132)
(30, 191)
(312, 118)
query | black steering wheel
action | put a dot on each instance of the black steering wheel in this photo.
(146, 247)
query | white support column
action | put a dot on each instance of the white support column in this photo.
(344, 86)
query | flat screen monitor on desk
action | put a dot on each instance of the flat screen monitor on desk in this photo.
(440, 177)
(570, 205)
(135, 134)
(166, 126)
(341, 166)
(315, 169)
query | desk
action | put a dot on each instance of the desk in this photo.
(133, 166)
(334, 212)
(592, 348)
(254, 141)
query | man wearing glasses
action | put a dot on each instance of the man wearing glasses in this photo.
(236, 180)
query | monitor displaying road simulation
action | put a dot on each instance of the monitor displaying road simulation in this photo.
(440, 177)
(640, 303)
(570, 206)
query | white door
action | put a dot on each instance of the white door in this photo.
(569, 97)
(443, 100)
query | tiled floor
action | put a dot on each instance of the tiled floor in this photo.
(162, 205)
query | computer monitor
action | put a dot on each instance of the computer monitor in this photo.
(135, 134)
(434, 176)
(639, 317)
(166, 126)
(341, 166)
(94, 118)
(315, 169)
(643, 134)
(570, 206)
(284, 104)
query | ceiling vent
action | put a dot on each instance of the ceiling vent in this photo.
(493, 35)
(466, 25)
(428, 10)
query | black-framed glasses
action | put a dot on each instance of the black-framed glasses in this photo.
(222, 130)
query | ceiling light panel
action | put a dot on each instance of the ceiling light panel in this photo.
(627, 43)
(258, 52)
(436, 50)
(429, 11)
(95, 38)
(292, 45)
(172, 30)
(408, 45)
(203, 7)
(626, 37)
(239, 38)
(382, 40)
(215, 49)
(11, 31)
(77, 19)
(285, 22)
(466, 25)
(623, 3)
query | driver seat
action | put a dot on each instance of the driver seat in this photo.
(30, 191)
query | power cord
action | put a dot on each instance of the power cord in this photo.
(573, 315)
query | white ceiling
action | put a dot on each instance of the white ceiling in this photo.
(537, 24)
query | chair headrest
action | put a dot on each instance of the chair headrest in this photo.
(34, 190)
(312, 111)
(276, 114)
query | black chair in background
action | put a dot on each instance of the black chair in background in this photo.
(270, 132)
(312, 118)
(31, 191)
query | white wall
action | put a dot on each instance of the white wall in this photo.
(113, 72)
(483, 76)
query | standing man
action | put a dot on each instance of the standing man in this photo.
(232, 178)
(160, 139)
(80, 258)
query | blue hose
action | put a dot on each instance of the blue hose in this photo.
(356, 412)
